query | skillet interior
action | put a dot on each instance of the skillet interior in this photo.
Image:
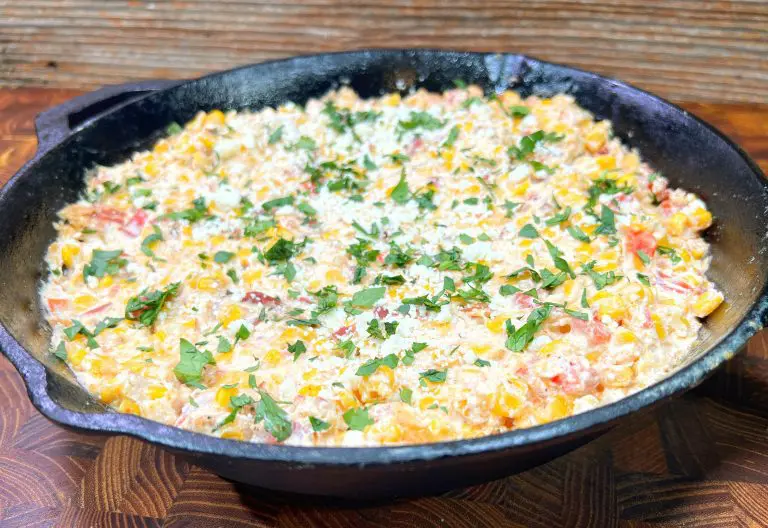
(688, 152)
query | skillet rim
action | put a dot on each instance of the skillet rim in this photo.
(35, 378)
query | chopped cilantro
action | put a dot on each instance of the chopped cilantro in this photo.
(433, 376)
(453, 135)
(318, 425)
(357, 419)
(189, 369)
(283, 250)
(406, 395)
(519, 339)
(224, 345)
(276, 420)
(276, 135)
(669, 252)
(222, 257)
(147, 243)
(528, 231)
(482, 363)
(423, 120)
(643, 256)
(146, 306)
(368, 297)
(277, 203)
(61, 351)
(371, 366)
(643, 279)
(104, 263)
(297, 349)
(400, 193)
(576, 232)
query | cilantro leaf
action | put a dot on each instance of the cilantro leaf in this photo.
(368, 297)
(318, 425)
(222, 257)
(297, 349)
(371, 366)
(276, 420)
(104, 263)
(146, 244)
(146, 306)
(189, 369)
(357, 419)
(400, 193)
(528, 231)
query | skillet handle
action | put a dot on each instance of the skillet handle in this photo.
(56, 124)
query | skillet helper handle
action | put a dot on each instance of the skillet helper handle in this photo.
(56, 124)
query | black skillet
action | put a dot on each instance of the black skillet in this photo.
(105, 127)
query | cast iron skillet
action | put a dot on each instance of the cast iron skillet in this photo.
(105, 127)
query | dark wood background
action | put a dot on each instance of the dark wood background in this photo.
(698, 461)
(688, 50)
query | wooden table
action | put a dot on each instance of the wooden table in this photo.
(701, 460)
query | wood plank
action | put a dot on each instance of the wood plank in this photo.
(682, 49)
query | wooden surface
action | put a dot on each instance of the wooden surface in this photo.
(701, 460)
(693, 50)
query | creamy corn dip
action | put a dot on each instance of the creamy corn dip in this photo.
(382, 271)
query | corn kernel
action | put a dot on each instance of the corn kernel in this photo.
(610, 305)
(272, 358)
(551, 347)
(76, 356)
(334, 276)
(215, 117)
(83, 302)
(252, 275)
(233, 313)
(506, 403)
(558, 407)
(676, 224)
(310, 390)
(110, 393)
(701, 219)
(659, 326)
(496, 325)
(68, 253)
(233, 434)
(606, 162)
(151, 169)
(155, 392)
(622, 378)
(224, 394)
(706, 303)
(624, 336)
(127, 405)
(106, 281)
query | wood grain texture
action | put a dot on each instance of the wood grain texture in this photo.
(698, 461)
(693, 50)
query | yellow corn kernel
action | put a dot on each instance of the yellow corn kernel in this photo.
(208, 284)
(314, 285)
(610, 305)
(224, 394)
(701, 219)
(427, 402)
(676, 224)
(706, 303)
(521, 189)
(346, 400)
(161, 146)
(272, 358)
(310, 390)
(392, 99)
(127, 405)
(558, 407)
(151, 169)
(698, 251)
(233, 434)
(496, 325)
(103, 366)
(473, 189)
(606, 162)
(252, 275)
(68, 253)
(110, 393)
(215, 117)
(624, 336)
(507, 402)
(106, 281)
(233, 313)
(551, 347)
(155, 392)
(76, 356)
(334, 276)
(218, 240)
(83, 302)
(480, 348)
(207, 141)
(659, 325)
